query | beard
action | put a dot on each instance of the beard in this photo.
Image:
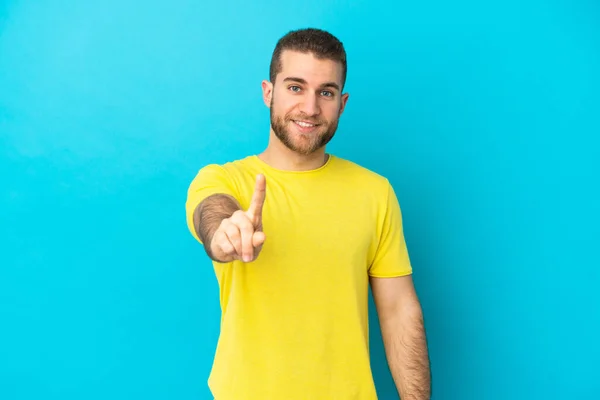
(301, 143)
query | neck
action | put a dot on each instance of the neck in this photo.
(278, 156)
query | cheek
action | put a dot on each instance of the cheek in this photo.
(282, 104)
(331, 110)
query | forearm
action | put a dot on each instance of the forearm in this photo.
(406, 351)
(209, 214)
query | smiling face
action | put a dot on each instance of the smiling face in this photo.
(305, 101)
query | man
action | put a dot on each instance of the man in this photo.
(296, 235)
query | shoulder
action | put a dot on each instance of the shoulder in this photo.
(357, 173)
(226, 169)
(371, 188)
(235, 177)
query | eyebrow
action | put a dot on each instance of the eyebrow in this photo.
(300, 80)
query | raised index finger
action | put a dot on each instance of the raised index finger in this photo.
(258, 198)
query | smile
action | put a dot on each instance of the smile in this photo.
(305, 124)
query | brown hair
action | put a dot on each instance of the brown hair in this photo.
(320, 43)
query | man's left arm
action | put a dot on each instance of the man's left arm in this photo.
(403, 331)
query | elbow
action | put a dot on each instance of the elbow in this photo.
(408, 313)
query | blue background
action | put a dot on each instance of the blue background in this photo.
(484, 115)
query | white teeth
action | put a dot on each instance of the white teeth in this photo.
(304, 124)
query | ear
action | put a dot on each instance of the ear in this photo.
(267, 89)
(343, 103)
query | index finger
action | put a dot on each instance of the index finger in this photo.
(258, 198)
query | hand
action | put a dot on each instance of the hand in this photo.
(241, 236)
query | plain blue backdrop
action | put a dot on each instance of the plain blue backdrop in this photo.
(484, 116)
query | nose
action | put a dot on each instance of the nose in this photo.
(310, 105)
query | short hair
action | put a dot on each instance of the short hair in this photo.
(320, 43)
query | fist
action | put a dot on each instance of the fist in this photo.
(241, 236)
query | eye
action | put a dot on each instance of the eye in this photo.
(294, 88)
(327, 93)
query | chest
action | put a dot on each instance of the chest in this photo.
(329, 227)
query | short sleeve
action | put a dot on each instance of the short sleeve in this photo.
(211, 179)
(391, 256)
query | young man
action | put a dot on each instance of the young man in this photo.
(296, 235)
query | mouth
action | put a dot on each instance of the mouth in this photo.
(305, 126)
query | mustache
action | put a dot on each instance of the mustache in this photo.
(306, 118)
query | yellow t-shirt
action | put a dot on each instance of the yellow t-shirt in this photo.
(294, 322)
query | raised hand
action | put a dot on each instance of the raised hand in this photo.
(241, 236)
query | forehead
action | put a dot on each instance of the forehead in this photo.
(310, 68)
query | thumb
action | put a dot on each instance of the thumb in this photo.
(258, 238)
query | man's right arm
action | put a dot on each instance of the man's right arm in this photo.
(209, 215)
(227, 232)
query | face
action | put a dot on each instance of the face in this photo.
(305, 101)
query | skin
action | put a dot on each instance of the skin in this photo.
(312, 99)
(309, 89)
